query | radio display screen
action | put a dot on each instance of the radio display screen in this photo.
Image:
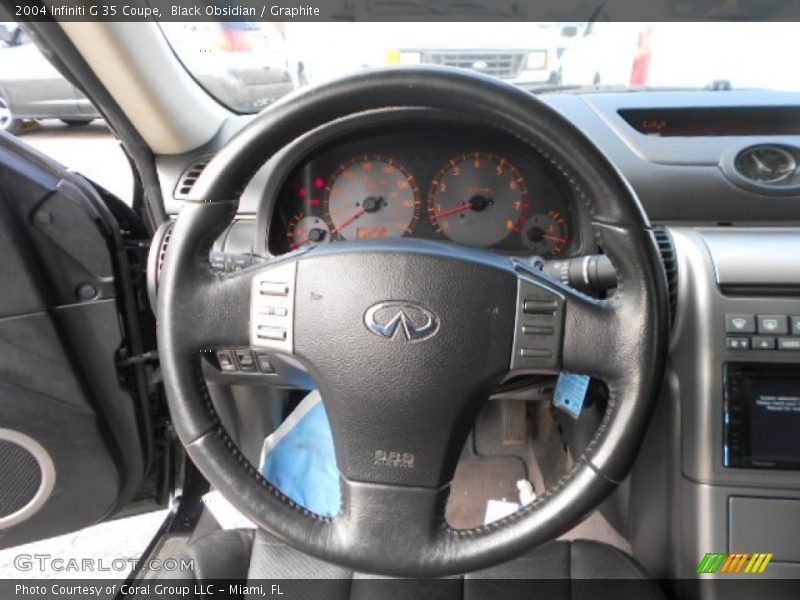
(763, 416)
(774, 420)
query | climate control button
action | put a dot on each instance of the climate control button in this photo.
(740, 324)
(773, 324)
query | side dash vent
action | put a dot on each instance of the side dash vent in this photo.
(155, 259)
(668, 256)
(189, 177)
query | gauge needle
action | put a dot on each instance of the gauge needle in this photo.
(349, 220)
(760, 164)
(555, 239)
(452, 211)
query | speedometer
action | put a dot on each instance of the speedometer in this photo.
(478, 199)
(371, 196)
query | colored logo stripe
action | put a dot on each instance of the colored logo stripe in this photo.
(758, 563)
(711, 562)
(727, 564)
(721, 562)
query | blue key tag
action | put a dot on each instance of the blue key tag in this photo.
(570, 393)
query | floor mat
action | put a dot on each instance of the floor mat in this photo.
(478, 480)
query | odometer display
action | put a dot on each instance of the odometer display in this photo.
(478, 199)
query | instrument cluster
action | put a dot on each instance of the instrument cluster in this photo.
(432, 185)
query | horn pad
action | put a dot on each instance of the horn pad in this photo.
(404, 346)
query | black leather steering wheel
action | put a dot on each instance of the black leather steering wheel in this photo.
(401, 407)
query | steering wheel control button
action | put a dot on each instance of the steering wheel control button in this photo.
(225, 360)
(763, 343)
(272, 308)
(538, 328)
(773, 324)
(789, 343)
(263, 362)
(245, 360)
(272, 333)
(737, 343)
(274, 288)
(538, 306)
(528, 353)
(274, 311)
(740, 324)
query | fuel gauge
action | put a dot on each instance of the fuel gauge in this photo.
(546, 233)
(303, 229)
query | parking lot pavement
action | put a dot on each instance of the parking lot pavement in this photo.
(109, 548)
(89, 149)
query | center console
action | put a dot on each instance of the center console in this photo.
(734, 393)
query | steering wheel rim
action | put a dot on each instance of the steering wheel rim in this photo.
(393, 523)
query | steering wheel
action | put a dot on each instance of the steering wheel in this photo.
(406, 339)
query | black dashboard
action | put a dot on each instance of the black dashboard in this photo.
(678, 178)
(454, 183)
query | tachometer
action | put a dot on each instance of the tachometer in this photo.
(478, 199)
(371, 196)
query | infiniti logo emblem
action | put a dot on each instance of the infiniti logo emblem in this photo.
(405, 319)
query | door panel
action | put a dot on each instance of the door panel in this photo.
(76, 435)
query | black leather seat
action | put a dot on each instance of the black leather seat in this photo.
(556, 571)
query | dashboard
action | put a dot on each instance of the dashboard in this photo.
(455, 184)
(717, 174)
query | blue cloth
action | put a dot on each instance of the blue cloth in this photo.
(299, 458)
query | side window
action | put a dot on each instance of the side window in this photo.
(44, 110)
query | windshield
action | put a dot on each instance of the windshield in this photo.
(246, 66)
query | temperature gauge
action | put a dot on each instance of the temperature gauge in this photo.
(304, 229)
(546, 233)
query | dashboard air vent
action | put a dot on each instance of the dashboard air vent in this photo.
(668, 256)
(189, 177)
(162, 250)
(155, 260)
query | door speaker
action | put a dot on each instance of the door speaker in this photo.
(27, 476)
